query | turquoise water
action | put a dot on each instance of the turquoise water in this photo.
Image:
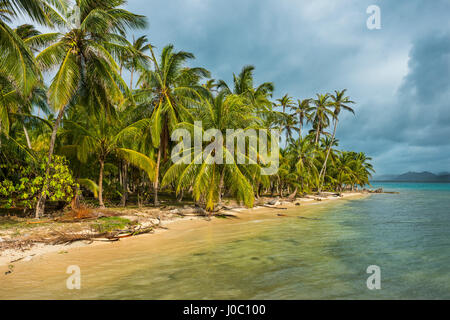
(407, 235)
(271, 257)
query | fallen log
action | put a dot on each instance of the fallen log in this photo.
(273, 207)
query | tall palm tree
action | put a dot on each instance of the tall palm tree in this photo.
(339, 102)
(85, 66)
(321, 114)
(286, 102)
(137, 59)
(303, 111)
(172, 87)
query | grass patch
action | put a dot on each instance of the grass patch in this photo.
(8, 223)
(108, 224)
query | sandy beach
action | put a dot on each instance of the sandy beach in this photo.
(13, 259)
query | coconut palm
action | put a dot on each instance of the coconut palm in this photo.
(94, 33)
(172, 88)
(243, 84)
(16, 59)
(197, 170)
(304, 151)
(303, 111)
(321, 114)
(286, 102)
(339, 102)
(136, 58)
(99, 137)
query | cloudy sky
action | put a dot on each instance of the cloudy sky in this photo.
(398, 75)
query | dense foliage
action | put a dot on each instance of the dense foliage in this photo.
(119, 135)
(23, 182)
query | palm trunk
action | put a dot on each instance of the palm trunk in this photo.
(155, 185)
(222, 175)
(180, 196)
(317, 134)
(100, 184)
(40, 205)
(27, 137)
(281, 187)
(324, 167)
(300, 127)
(293, 194)
(131, 79)
(124, 170)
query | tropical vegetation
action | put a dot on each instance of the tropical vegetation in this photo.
(71, 127)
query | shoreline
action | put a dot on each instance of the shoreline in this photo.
(12, 257)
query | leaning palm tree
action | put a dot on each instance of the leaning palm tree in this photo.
(172, 88)
(83, 57)
(339, 102)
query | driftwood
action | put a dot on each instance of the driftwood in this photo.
(273, 207)
(274, 201)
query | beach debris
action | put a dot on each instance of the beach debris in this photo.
(274, 202)
(281, 215)
(195, 211)
(84, 213)
(225, 216)
(28, 258)
(10, 269)
(274, 207)
(40, 221)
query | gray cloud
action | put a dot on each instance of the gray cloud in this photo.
(399, 75)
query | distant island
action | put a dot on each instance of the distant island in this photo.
(415, 177)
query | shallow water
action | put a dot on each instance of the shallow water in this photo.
(270, 257)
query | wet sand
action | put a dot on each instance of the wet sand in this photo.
(48, 268)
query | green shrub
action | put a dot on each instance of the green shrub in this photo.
(25, 181)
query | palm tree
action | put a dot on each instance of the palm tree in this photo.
(87, 45)
(304, 151)
(286, 102)
(243, 85)
(101, 138)
(321, 114)
(207, 177)
(339, 102)
(303, 111)
(136, 58)
(16, 59)
(172, 87)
